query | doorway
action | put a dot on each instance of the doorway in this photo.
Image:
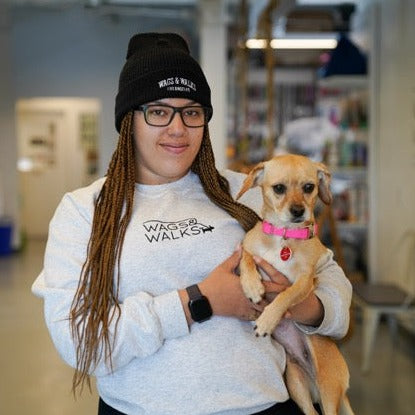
(57, 153)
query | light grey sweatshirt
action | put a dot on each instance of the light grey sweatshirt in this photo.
(176, 237)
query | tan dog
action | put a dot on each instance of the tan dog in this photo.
(316, 370)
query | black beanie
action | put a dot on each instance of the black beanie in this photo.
(159, 66)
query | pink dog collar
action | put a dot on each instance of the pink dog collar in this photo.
(296, 233)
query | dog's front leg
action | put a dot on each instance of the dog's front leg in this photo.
(250, 278)
(274, 311)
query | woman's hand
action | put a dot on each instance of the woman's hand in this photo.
(223, 289)
(310, 311)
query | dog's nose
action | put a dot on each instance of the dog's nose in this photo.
(297, 210)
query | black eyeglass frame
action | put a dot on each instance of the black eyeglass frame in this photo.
(207, 113)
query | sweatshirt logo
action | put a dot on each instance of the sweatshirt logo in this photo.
(177, 83)
(159, 231)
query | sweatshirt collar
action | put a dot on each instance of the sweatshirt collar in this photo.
(183, 184)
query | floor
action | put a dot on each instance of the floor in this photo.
(34, 380)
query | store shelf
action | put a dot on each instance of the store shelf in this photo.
(352, 226)
(344, 101)
(347, 82)
(356, 174)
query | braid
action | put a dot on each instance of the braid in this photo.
(217, 187)
(96, 301)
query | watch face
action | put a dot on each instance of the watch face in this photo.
(200, 309)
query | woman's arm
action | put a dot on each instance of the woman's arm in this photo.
(324, 311)
(145, 321)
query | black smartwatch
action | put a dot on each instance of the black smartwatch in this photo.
(199, 305)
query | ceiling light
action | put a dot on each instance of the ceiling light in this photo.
(293, 43)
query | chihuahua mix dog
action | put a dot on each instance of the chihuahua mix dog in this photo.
(286, 238)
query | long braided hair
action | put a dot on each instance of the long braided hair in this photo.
(95, 304)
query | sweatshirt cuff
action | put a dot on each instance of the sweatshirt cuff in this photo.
(170, 312)
(326, 324)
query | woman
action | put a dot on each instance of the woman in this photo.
(139, 279)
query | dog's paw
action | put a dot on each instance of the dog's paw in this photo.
(253, 289)
(266, 323)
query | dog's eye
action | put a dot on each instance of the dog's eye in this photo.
(279, 189)
(308, 188)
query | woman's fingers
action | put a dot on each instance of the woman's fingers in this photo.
(272, 272)
(272, 289)
(232, 262)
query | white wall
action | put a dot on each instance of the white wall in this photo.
(385, 29)
(394, 155)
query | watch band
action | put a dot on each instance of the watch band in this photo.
(194, 292)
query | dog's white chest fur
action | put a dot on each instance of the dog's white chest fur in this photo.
(283, 254)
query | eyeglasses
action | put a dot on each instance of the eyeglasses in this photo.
(161, 115)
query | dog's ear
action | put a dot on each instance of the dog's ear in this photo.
(254, 178)
(324, 177)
